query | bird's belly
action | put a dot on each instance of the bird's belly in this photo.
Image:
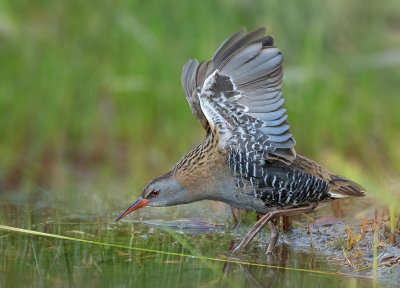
(245, 199)
(276, 188)
(241, 198)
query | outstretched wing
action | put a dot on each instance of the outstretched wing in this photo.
(238, 95)
(193, 76)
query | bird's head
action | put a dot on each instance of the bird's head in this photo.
(161, 191)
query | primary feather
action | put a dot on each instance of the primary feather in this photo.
(237, 97)
(238, 94)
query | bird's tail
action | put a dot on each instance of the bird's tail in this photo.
(341, 187)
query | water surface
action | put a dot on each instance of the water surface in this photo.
(197, 230)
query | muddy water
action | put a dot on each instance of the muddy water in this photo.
(197, 230)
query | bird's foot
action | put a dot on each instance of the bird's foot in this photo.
(254, 231)
(274, 234)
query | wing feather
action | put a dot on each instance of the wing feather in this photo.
(222, 50)
(238, 95)
(240, 59)
(235, 44)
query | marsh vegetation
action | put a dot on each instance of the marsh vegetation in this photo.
(91, 108)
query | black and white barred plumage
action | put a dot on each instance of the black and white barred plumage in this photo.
(237, 96)
(247, 159)
(277, 184)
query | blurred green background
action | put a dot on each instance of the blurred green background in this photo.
(91, 108)
(91, 102)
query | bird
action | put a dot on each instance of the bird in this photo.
(247, 158)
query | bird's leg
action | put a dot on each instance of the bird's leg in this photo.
(285, 223)
(235, 219)
(274, 234)
(254, 230)
(250, 277)
(268, 217)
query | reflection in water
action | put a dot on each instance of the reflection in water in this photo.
(190, 226)
(278, 276)
(37, 261)
(277, 259)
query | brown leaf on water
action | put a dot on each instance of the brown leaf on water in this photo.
(172, 262)
(80, 232)
(121, 253)
(326, 221)
(148, 256)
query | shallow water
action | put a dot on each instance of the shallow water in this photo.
(196, 230)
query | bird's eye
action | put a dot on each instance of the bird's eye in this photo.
(154, 192)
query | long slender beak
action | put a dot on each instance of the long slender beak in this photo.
(140, 203)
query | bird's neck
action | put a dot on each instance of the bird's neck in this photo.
(196, 170)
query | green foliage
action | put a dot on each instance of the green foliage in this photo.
(91, 107)
(104, 254)
(90, 90)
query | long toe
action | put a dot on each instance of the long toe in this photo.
(254, 231)
(246, 240)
